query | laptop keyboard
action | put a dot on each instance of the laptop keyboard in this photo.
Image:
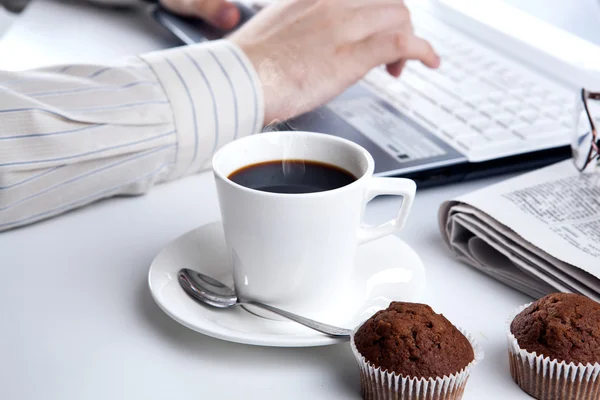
(480, 102)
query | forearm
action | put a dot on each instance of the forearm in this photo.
(71, 135)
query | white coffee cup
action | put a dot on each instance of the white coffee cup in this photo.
(296, 251)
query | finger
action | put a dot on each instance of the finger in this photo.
(395, 69)
(415, 48)
(389, 47)
(219, 13)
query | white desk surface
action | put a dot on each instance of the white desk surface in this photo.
(76, 318)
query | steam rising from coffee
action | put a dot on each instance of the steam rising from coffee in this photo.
(293, 166)
(272, 77)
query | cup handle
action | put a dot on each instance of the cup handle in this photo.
(388, 186)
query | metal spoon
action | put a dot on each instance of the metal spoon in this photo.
(209, 291)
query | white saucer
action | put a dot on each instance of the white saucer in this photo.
(387, 269)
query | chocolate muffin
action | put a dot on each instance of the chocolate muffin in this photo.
(412, 340)
(561, 326)
(554, 347)
(409, 342)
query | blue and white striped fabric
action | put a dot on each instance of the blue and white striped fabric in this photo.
(74, 134)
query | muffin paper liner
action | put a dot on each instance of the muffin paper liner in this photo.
(378, 384)
(549, 379)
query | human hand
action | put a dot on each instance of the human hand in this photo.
(219, 13)
(306, 52)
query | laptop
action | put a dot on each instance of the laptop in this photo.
(502, 101)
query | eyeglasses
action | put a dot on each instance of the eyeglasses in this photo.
(586, 141)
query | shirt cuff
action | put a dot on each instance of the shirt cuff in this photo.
(216, 97)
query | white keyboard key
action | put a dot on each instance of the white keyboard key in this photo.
(459, 131)
(510, 81)
(513, 77)
(446, 66)
(497, 96)
(546, 121)
(450, 132)
(474, 99)
(481, 124)
(457, 76)
(425, 119)
(488, 108)
(538, 91)
(397, 86)
(527, 85)
(567, 121)
(448, 39)
(565, 116)
(498, 133)
(504, 136)
(529, 114)
(445, 100)
(440, 49)
(375, 74)
(534, 130)
(489, 65)
(558, 99)
(451, 106)
(400, 102)
(479, 86)
(538, 101)
(486, 105)
(552, 110)
(499, 69)
(519, 92)
(443, 83)
(513, 106)
(378, 78)
(505, 119)
(474, 58)
(521, 129)
(420, 104)
(437, 78)
(433, 92)
(412, 79)
(564, 134)
(466, 114)
(471, 142)
(498, 82)
(443, 118)
(464, 49)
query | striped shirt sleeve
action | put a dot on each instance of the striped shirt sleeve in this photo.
(74, 134)
(18, 5)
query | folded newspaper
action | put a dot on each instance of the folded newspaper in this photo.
(538, 232)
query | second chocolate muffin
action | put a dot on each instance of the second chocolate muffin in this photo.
(562, 326)
(412, 340)
(554, 347)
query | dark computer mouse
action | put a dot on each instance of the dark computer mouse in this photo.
(194, 30)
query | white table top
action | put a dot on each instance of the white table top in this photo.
(77, 319)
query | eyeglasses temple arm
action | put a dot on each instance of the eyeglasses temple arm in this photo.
(593, 95)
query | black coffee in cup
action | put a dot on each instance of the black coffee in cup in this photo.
(292, 176)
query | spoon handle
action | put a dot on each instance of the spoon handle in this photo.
(329, 330)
